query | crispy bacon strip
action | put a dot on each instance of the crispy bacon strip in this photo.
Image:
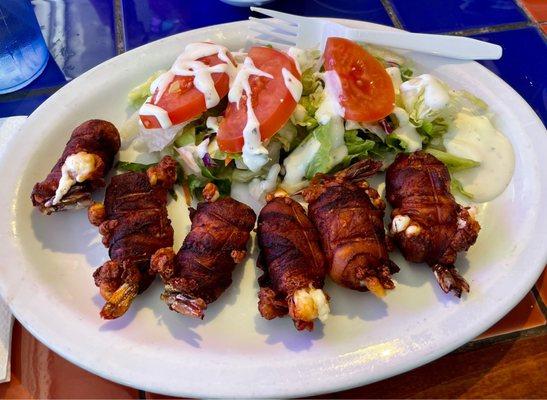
(202, 269)
(95, 137)
(427, 223)
(134, 224)
(348, 214)
(293, 264)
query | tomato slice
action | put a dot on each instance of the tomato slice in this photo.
(272, 102)
(367, 91)
(182, 100)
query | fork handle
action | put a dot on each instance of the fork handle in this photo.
(458, 47)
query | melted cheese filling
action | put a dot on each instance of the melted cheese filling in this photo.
(77, 168)
(311, 303)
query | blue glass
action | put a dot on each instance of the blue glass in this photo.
(23, 52)
(523, 65)
(453, 15)
(51, 77)
(149, 20)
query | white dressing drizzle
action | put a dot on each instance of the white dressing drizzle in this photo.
(158, 112)
(330, 105)
(406, 131)
(255, 155)
(212, 123)
(258, 188)
(293, 84)
(189, 156)
(298, 56)
(161, 83)
(187, 64)
(474, 137)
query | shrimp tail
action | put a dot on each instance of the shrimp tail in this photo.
(450, 280)
(119, 301)
(185, 305)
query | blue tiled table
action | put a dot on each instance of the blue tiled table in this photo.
(84, 33)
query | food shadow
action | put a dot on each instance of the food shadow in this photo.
(68, 232)
(410, 274)
(282, 330)
(183, 328)
(355, 304)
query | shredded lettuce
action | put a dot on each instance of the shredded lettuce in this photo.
(396, 143)
(457, 187)
(404, 137)
(220, 176)
(425, 98)
(138, 94)
(304, 114)
(310, 82)
(430, 130)
(286, 135)
(332, 150)
(246, 175)
(302, 117)
(406, 72)
(307, 59)
(358, 148)
(462, 99)
(188, 136)
(133, 166)
(453, 163)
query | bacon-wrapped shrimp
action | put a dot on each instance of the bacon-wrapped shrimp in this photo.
(202, 269)
(427, 223)
(293, 264)
(86, 159)
(348, 214)
(134, 224)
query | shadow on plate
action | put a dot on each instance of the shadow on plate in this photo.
(182, 328)
(282, 330)
(354, 304)
(66, 231)
(69, 232)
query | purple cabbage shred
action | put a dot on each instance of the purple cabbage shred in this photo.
(208, 161)
(386, 125)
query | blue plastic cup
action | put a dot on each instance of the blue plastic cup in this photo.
(23, 52)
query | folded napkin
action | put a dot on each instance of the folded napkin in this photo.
(8, 127)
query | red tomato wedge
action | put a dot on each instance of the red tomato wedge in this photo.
(272, 102)
(367, 91)
(182, 100)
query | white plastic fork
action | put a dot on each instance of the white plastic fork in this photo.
(306, 32)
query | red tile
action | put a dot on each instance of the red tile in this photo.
(525, 315)
(541, 284)
(538, 9)
(544, 28)
(37, 372)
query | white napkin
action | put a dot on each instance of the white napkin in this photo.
(8, 127)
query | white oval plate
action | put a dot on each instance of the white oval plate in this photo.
(46, 264)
